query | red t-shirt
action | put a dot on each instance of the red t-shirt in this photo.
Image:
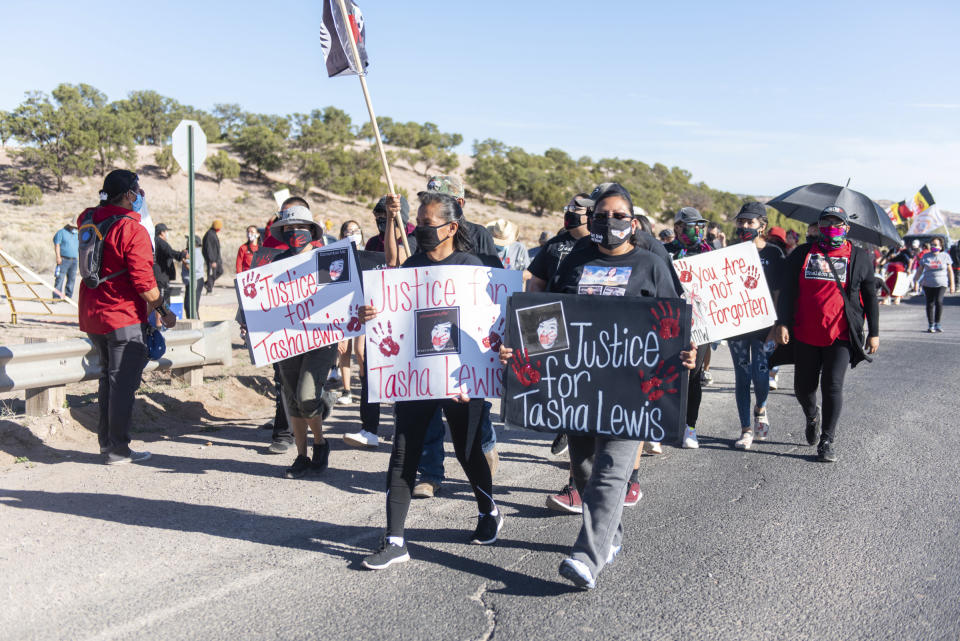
(819, 317)
(117, 302)
(245, 256)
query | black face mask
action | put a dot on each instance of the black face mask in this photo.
(571, 220)
(610, 233)
(297, 238)
(381, 225)
(746, 234)
(428, 236)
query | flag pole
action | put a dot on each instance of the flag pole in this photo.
(373, 119)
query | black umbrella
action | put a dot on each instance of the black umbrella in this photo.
(868, 222)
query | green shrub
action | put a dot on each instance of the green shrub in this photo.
(29, 195)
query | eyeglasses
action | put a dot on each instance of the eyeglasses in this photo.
(604, 215)
(697, 225)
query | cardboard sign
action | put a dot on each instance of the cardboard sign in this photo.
(728, 291)
(597, 365)
(301, 303)
(437, 332)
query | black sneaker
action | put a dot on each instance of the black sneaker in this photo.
(488, 526)
(826, 453)
(813, 428)
(387, 555)
(321, 456)
(299, 468)
(559, 445)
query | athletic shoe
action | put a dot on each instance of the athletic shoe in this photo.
(577, 573)
(346, 398)
(761, 426)
(488, 526)
(559, 445)
(930, 329)
(826, 453)
(614, 551)
(937, 329)
(652, 447)
(633, 494)
(493, 460)
(299, 469)
(745, 441)
(279, 447)
(425, 490)
(363, 438)
(813, 428)
(690, 439)
(321, 456)
(105, 450)
(568, 500)
(387, 555)
(774, 383)
(132, 457)
(706, 378)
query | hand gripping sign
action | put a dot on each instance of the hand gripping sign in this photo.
(597, 365)
(301, 303)
(728, 291)
(437, 332)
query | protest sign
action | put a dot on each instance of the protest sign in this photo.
(301, 303)
(728, 291)
(597, 365)
(437, 331)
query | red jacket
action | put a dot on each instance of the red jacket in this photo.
(245, 256)
(117, 302)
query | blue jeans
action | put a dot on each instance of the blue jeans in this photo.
(66, 271)
(431, 460)
(749, 364)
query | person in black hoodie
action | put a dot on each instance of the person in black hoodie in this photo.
(163, 268)
(827, 288)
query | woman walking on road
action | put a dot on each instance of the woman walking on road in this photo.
(934, 274)
(827, 288)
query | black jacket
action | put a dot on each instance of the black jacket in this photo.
(861, 290)
(165, 257)
(211, 247)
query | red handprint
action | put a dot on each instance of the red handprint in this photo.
(750, 281)
(249, 282)
(524, 369)
(353, 325)
(686, 276)
(495, 340)
(668, 321)
(652, 386)
(384, 340)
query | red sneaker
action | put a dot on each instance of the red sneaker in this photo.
(568, 500)
(633, 494)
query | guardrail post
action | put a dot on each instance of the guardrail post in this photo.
(45, 400)
(191, 376)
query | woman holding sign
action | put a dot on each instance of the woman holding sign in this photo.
(610, 265)
(827, 288)
(443, 239)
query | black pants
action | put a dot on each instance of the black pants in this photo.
(695, 387)
(412, 420)
(824, 367)
(934, 303)
(281, 428)
(123, 354)
(369, 412)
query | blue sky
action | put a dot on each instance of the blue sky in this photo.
(752, 97)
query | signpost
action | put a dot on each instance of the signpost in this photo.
(190, 150)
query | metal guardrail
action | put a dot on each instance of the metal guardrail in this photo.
(32, 366)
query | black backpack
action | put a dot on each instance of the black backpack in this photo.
(90, 250)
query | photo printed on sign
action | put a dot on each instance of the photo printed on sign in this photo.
(543, 328)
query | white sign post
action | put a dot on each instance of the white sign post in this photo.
(437, 332)
(728, 292)
(301, 303)
(189, 145)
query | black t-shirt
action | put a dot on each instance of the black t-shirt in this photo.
(544, 265)
(586, 270)
(772, 257)
(456, 258)
(482, 240)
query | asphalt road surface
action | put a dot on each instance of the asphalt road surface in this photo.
(209, 542)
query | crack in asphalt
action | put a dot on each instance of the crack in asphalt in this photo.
(487, 610)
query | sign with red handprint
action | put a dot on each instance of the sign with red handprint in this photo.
(728, 291)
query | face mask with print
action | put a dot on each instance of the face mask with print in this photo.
(610, 233)
(691, 235)
(935, 248)
(747, 234)
(832, 237)
(297, 238)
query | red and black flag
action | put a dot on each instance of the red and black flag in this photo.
(922, 200)
(335, 38)
(904, 211)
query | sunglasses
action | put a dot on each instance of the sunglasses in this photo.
(604, 215)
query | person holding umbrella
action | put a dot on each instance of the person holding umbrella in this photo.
(826, 290)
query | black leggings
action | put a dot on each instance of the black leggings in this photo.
(412, 420)
(934, 303)
(826, 367)
(695, 387)
(369, 412)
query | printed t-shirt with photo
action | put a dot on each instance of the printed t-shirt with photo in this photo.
(820, 318)
(636, 273)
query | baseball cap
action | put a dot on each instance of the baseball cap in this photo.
(606, 190)
(834, 210)
(752, 210)
(688, 216)
(381, 208)
(159, 229)
(451, 185)
(117, 182)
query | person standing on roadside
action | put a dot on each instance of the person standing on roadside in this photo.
(192, 268)
(164, 256)
(827, 288)
(211, 255)
(935, 274)
(248, 249)
(114, 313)
(65, 243)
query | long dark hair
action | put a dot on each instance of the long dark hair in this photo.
(450, 211)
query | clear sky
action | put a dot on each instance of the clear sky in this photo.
(753, 97)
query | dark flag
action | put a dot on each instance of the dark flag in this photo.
(335, 40)
(922, 199)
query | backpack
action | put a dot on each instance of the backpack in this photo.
(90, 250)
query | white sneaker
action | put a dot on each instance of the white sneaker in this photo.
(773, 382)
(745, 441)
(345, 399)
(761, 425)
(363, 438)
(652, 447)
(577, 573)
(690, 439)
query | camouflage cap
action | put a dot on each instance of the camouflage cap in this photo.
(451, 185)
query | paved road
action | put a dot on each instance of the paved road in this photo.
(206, 542)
